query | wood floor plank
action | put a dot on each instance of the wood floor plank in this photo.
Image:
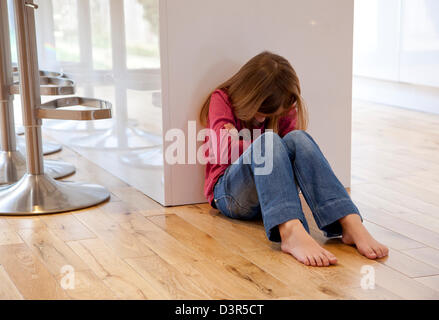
(431, 282)
(385, 277)
(427, 176)
(395, 201)
(150, 234)
(52, 251)
(29, 275)
(117, 208)
(408, 229)
(377, 293)
(208, 285)
(166, 278)
(24, 222)
(159, 241)
(9, 236)
(387, 157)
(87, 286)
(67, 227)
(410, 188)
(390, 238)
(375, 200)
(236, 284)
(391, 112)
(124, 281)
(3, 223)
(400, 212)
(426, 255)
(136, 199)
(311, 283)
(408, 265)
(8, 291)
(229, 267)
(238, 237)
(190, 236)
(376, 170)
(120, 240)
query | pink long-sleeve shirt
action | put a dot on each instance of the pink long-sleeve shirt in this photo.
(221, 113)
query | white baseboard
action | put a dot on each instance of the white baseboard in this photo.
(398, 94)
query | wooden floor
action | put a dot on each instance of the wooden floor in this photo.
(132, 248)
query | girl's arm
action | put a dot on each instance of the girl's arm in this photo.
(288, 122)
(222, 121)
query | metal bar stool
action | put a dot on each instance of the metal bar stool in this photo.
(36, 192)
(12, 160)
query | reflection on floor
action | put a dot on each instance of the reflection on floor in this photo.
(132, 248)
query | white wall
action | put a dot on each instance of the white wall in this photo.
(396, 53)
(205, 42)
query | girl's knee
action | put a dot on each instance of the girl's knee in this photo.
(269, 147)
(270, 135)
(270, 139)
(299, 139)
(297, 136)
(276, 144)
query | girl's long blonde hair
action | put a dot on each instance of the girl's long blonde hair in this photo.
(264, 84)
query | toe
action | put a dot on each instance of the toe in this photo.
(325, 259)
(312, 261)
(378, 252)
(369, 253)
(318, 260)
(305, 261)
(332, 259)
(384, 251)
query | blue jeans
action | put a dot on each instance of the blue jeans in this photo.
(296, 162)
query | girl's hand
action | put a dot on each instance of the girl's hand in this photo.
(231, 129)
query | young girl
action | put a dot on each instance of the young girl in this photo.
(265, 94)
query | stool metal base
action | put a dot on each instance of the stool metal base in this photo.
(57, 169)
(48, 147)
(40, 194)
(13, 167)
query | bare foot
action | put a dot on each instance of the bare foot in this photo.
(297, 242)
(354, 233)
